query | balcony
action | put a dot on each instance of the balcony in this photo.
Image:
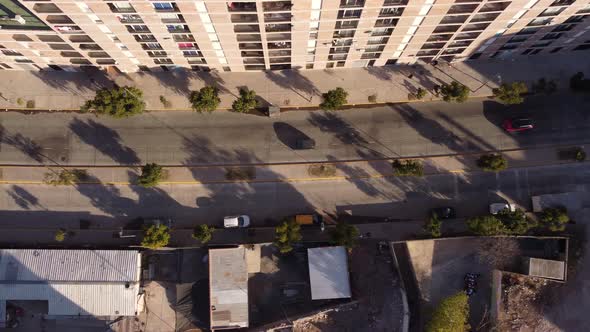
(279, 53)
(446, 28)
(80, 62)
(388, 22)
(244, 18)
(278, 17)
(280, 60)
(122, 7)
(98, 55)
(68, 28)
(376, 41)
(562, 2)
(253, 61)
(352, 3)
(279, 45)
(90, 47)
(250, 46)
(152, 46)
(528, 31)
(178, 28)
(246, 28)
(165, 7)
(337, 57)
(552, 11)
(188, 46)
(51, 39)
(342, 42)
(346, 24)
(192, 54)
(484, 17)
(575, 19)
(564, 27)
(343, 34)
(61, 47)
(241, 7)
(395, 2)
(277, 6)
(285, 27)
(247, 54)
(454, 19)
(427, 53)
(553, 35)
(44, 8)
(137, 28)
(370, 56)
(183, 38)
(129, 18)
(379, 48)
(439, 38)
(59, 19)
(475, 27)
(432, 46)
(379, 32)
(248, 38)
(462, 9)
(453, 51)
(145, 38)
(540, 22)
(467, 35)
(172, 18)
(391, 12)
(66, 54)
(164, 61)
(517, 39)
(81, 39)
(349, 14)
(197, 61)
(461, 43)
(339, 50)
(494, 7)
(106, 62)
(278, 36)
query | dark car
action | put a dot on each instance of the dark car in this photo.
(446, 212)
(518, 125)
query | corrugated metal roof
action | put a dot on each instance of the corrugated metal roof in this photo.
(328, 273)
(112, 299)
(69, 265)
(228, 277)
(546, 268)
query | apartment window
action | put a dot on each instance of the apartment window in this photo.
(191, 53)
(350, 13)
(552, 35)
(346, 24)
(163, 61)
(562, 2)
(153, 46)
(309, 66)
(540, 21)
(137, 28)
(186, 45)
(121, 7)
(11, 53)
(163, 5)
(388, 22)
(156, 54)
(352, 3)
(552, 11)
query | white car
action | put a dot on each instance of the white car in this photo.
(236, 221)
(495, 208)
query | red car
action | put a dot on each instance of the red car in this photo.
(518, 125)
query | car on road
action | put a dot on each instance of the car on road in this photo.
(445, 212)
(518, 125)
(236, 221)
(495, 208)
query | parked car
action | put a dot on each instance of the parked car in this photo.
(495, 208)
(311, 220)
(236, 221)
(518, 125)
(446, 212)
(470, 280)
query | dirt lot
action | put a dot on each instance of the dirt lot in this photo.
(376, 288)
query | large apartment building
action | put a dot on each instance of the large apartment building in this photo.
(237, 36)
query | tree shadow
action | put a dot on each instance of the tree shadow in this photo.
(90, 79)
(24, 144)
(295, 81)
(23, 198)
(104, 139)
(383, 73)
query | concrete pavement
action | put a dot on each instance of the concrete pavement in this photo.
(62, 90)
(182, 138)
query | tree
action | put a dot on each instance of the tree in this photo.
(579, 83)
(515, 222)
(151, 175)
(555, 218)
(344, 235)
(286, 234)
(246, 102)
(334, 99)
(203, 233)
(433, 225)
(420, 93)
(454, 92)
(205, 100)
(511, 93)
(492, 162)
(451, 315)
(65, 177)
(407, 168)
(156, 236)
(118, 102)
(486, 225)
(60, 235)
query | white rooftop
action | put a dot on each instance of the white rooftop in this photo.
(546, 268)
(328, 273)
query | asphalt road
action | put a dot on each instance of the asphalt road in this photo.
(173, 138)
(398, 198)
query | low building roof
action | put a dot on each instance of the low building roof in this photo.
(328, 273)
(546, 268)
(228, 277)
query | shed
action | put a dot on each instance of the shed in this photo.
(228, 278)
(328, 273)
(545, 268)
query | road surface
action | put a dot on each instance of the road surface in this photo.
(180, 138)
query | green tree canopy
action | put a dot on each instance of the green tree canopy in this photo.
(492, 162)
(151, 175)
(515, 222)
(118, 102)
(555, 218)
(451, 315)
(246, 102)
(433, 226)
(408, 167)
(203, 233)
(334, 99)
(156, 236)
(511, 93)
(486, 225)
(455, 91)
(286, 234)
(344, 234)
(205, 100)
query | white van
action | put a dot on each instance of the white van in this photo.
(236, 221)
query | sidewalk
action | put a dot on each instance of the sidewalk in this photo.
(58, 90)
(338, 170)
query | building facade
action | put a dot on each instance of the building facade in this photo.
(237, 36)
